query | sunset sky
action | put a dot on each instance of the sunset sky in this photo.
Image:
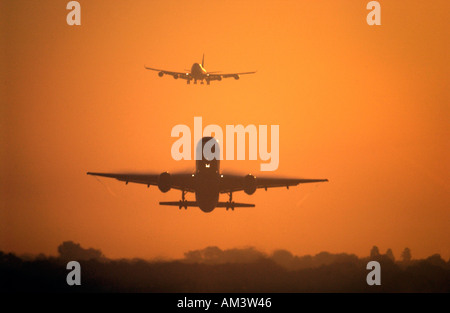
(365, 106)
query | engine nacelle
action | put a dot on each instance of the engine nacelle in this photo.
(175, 76)
(160, 74)
(164, 182)
(236, 77)
(219, 78)
(249, 184)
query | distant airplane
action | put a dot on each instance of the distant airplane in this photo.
(198, 72)
(207, 183)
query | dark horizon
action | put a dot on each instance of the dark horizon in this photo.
(70, 248)
(231, 270)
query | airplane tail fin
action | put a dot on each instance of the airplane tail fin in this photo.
(203, 61)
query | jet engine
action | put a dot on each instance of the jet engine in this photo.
(160, 74)
(249, 184)
(164, 182)
(175, 76)
(236, 77)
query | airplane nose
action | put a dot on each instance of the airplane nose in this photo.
(207, 209)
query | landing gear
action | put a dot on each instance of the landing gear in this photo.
(195, 81)
(188, 81)
(183, 200)
(208, 81)
(230, 203)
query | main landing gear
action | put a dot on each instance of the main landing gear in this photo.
(208, 81)
(230, 203)
(183, 202)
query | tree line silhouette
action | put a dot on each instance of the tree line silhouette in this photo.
(215, 270)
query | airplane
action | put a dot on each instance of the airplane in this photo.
(207, 182)
(198, 72)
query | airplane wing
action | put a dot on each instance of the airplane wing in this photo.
(177, 181)
(183, 75)
(216, 76)
(232, 183)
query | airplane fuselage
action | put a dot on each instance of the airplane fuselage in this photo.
(198, 72)
(207, 180)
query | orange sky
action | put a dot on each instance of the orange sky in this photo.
(365, 107)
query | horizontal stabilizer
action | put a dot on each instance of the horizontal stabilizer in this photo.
(180, 203)
(234, 205)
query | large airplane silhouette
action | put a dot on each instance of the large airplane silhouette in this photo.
(198, 72)
(207, 182)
